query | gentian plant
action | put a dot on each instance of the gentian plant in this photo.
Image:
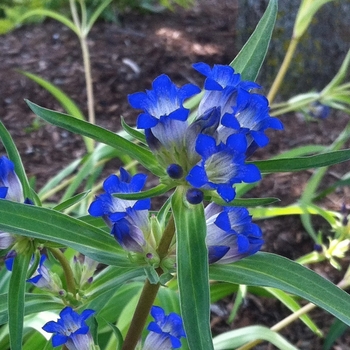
(94, 269)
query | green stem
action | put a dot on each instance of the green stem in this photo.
(283, 70)
(66, 269)
(149, 293)
(83, 32)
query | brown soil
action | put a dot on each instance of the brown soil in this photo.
(160, 43)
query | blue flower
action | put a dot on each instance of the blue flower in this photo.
(165, 100)
(231, 235)
(71, 330)
(43, 278)
(10, 186)
(221, 85)
(241, 110)
(252, 114)
(165, 331)
(127, 218)
(164, 118)
(222, 165)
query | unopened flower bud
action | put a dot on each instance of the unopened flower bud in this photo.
(194, 196)
(175, 171)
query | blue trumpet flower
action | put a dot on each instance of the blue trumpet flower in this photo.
(127, 218)
(165, 331)
(231, 235)
(71, 330)
(222, 165)
(164, 116)
(10, 186)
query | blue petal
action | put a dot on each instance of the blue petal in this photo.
(158, 313)
(96, 208)
(3, 192)
(242, 243)
(142, 204)
(211, 84)
(197, 176)
(154, 327)
(237, 142)
(179, 114)
(137, 182)
(137, 100)
(59, 339)
(226, 192)
(223, 221)
(115, 217)
(205, 145)
(230, 121)
(252, 173)
(175, 342)
(146, 121)
(52, 327)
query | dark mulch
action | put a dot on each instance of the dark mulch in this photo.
(154, 44)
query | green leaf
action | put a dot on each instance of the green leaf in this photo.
(118, 335)
(34, 303)
(302, 163)
(270, 270)
(132, 132)
(16, 299)
(48, 13)
(249, 60)
(111, 278)
(292, 305)
(192, 266)
(99, 134)
(153, 192)
(336, 330)
(71, 201)
(50, 225)
(66, 102)
(233, 339)
(244, 202)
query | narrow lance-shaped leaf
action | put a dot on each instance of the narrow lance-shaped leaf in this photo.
(50, 225)
(249, 60)
(270, 270)
(192, 266)
(144, 156)
(302, 163)
(16, 299)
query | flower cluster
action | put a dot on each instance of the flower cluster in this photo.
(209, 153)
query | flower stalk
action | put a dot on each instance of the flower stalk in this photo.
(66, 269)
(149, 293)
